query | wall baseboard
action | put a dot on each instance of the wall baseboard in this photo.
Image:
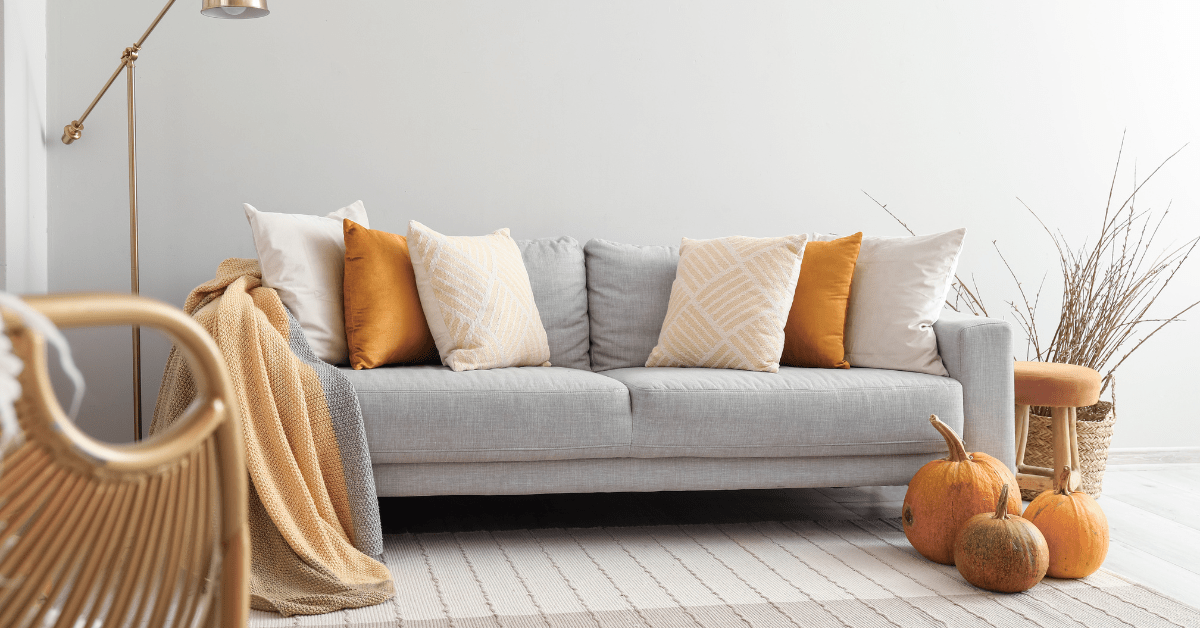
(1153, 455)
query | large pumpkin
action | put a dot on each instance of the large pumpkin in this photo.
(999, 552)
(947, 492)
(1074, 526)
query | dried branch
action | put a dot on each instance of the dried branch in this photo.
(1109, 287)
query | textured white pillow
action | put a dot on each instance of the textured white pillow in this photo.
(897, 294)
(477, 299)
(729, 303)
(303, 258)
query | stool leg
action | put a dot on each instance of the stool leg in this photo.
(1076, 469)
(1022, 415)
(1062, 426)
(1031, 478)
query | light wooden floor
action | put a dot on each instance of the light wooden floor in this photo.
(1154, 518)
(1153, 514)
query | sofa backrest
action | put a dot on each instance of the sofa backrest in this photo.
(557, 276)
(628, 290)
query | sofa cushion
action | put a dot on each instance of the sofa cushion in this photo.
(477, 299)
(384, 320)
(433, 414)
(629, 289)
(815, 333)
(303, 259)
(729, 302)
(556, 274)
(897, 293)
(795, 412)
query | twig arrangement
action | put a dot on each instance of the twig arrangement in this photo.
(1109, 287)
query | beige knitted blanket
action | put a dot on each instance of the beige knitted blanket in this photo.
(312, 497)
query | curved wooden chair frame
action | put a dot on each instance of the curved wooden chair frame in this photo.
(145, 534)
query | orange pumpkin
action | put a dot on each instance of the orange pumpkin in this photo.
(1001, 553)
(947, 492)
(1074, 526)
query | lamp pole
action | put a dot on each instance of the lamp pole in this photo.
(234, 9)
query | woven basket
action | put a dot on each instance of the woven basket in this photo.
(1095, 427)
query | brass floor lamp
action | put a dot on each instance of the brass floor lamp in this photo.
(228, 9)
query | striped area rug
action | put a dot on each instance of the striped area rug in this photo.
(759, 573)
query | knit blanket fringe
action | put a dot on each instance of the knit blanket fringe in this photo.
(314, 518)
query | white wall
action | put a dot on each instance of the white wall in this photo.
(23, 238)
(634, 121)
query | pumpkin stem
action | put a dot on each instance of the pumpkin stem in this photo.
(958, 451)
(1002, 505)
(1062, 483)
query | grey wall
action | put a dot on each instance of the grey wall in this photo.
(634, 121)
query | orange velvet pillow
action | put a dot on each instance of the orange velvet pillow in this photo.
(384, 320)
(816, 327)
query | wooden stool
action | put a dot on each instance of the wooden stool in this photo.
(1062, 387)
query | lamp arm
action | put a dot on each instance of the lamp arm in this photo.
(153, 24)
(74, 130)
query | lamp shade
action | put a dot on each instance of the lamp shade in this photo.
(235, 9)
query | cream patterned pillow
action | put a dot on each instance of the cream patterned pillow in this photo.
(729, 303)
(477, 300)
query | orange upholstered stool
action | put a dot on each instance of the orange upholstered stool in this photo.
(1062, 387)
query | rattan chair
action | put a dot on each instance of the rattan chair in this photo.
(147, 534)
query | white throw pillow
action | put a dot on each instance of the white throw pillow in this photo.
(897, 294)
(477, 299)
(303, 258)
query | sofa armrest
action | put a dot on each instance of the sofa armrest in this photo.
(977, 352)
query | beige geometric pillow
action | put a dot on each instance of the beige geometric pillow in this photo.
(477, 300)
(729, 303)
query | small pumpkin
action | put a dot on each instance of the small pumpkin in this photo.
(1074, 526)
(945, 493)
(1001, 552)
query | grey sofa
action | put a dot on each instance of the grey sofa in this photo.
(598, 420)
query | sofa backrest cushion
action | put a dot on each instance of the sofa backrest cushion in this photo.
(556, 274)
(628, 290)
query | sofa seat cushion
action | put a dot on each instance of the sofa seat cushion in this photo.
(433, 414)
(795, 412)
